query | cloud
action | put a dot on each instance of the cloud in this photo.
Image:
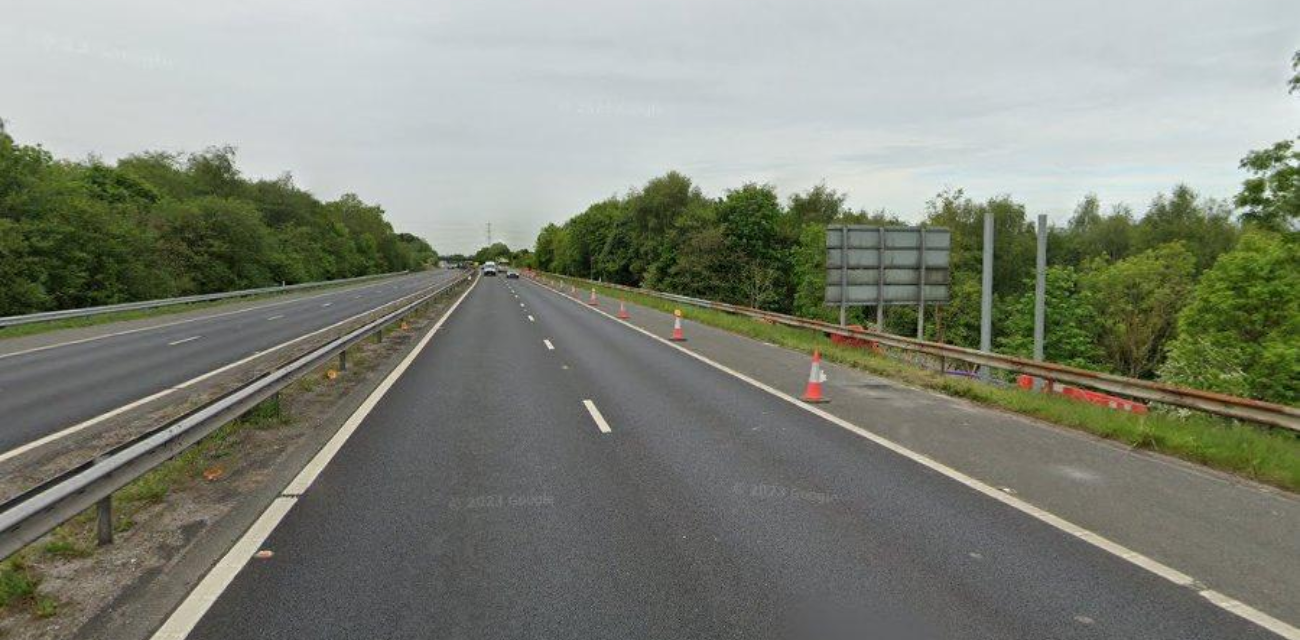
(457, 113)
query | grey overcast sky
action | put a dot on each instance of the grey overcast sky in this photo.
(452, 114)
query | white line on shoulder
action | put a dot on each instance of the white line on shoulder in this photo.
(1220, 600)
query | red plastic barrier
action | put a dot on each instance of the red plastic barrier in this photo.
(1084, 395)
(855, 342)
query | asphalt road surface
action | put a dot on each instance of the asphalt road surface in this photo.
(45, 391)
(541, 471)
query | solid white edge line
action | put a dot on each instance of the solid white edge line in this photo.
(172, 324)
(1224, 602)
(90, 422)
(186, 616)
(549, 346)
(182, 621)
(183, 341)
(595, 415)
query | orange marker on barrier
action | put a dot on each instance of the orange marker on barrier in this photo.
(813, 392)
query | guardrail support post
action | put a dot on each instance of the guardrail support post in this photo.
(379, 335)
(104, 520)
(343, 360)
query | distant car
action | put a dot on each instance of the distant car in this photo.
(489, 268)
(512, 275)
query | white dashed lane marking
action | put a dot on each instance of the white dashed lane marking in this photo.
(595, 415)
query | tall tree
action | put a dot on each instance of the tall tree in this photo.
(1241, 332)
(1271, 195)
(820, 204)
(1070, 328)
(1136, 301)
(1204, 226)
(752, 225)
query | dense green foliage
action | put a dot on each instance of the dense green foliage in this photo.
(156, 225)
(1183, 291)
(1240, 333)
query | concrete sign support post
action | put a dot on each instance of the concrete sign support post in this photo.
(1040, 295)
(986, 293)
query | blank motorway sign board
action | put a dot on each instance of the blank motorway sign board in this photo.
(887, 263)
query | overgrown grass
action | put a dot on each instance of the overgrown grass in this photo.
(19, 589)
(1267, 455)
(191, 463)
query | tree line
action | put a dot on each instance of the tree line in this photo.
(1191, 290)
(157, 225)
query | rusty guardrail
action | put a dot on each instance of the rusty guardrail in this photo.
(1247, 409)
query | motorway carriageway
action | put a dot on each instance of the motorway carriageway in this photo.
(538, 470)
(54, 390)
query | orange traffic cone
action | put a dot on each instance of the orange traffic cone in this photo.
(592, 300)
(813, 393)
(622, 311)
(678, 336)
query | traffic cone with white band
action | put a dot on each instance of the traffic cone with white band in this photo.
(592, 301)
(813, 392)
(622, 311)
(678, 336)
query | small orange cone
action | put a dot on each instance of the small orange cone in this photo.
(592, 300)
(622, 311)
(678, 336)
(813, 393)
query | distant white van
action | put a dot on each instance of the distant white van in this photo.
(489, 268)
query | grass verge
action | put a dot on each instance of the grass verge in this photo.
(19, 589)
(1265, 455)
